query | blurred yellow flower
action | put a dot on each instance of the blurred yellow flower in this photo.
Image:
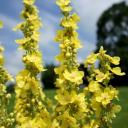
(75, 76)
(117, 71)
(29, 2)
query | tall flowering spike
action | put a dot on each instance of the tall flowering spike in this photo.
(101, 94)
(71, 108)
(30, 109)
(6, 118)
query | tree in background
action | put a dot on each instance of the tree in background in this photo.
(112, 32)
(48, 77)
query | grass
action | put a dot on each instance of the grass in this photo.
(122, 118)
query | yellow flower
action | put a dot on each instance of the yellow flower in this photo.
(1, 49)
(35, 36)
(75, 76)
(92, 124)
(79, 106)
(1, 56)
(32, 17)
(68, 121)
(96, 106)
(75, 17)
(69, 22)
(33, 123)
(65, 98)
(106, 96)
(29, 2)
(102, 51)
(63, 2)
(93, 86)
(55, 124)
(91, 59)
(115, 60)
(30, 60)
(59, 82)
(117, 71)
(59, 36)
(60, 70)
(64, 5)
(36, 24)
(23, 41)
(22, 77)
(100, 76)
(76, 43)
(66, 8)
(18, 26)
(60, 57)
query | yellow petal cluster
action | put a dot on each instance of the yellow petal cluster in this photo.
(29, 2)
(74, 76)
(117, 71)
(102, 95)
(64, 5)
(29, 108)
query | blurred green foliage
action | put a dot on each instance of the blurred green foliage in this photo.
(48, 77)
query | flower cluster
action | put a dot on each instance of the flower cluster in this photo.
(71, 107)
(101, 95)
(91, 107)
(29, 108)
(6, 118)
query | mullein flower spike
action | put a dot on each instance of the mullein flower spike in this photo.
(6, 118)
(30, 109)
(102, 96)
(71, 108)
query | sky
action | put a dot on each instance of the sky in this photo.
(88, 10)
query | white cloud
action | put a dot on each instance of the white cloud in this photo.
(87, 48)
(8, 22)
(89, 12)
(48, 32)
(13, 61)
(49, 29)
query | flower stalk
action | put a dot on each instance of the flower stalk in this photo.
(30, 109)
(6, 117)
(101, 94)
(71, 107)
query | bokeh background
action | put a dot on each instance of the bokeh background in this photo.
(103, 22)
